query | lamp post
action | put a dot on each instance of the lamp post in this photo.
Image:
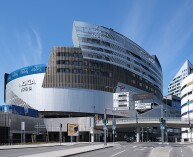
(105, 128)
(162, 123)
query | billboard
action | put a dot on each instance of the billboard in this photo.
(142, 106)
(142, 96)
(73, 129)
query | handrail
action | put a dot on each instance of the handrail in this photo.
(142, 119)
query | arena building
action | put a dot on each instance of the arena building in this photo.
(81, 80)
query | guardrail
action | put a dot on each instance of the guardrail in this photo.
(145, 119)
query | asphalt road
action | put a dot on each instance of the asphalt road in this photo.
(139, 150)
(27, 151)
(124, 150)
(181, 151)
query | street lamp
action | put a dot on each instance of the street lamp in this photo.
(105, 127)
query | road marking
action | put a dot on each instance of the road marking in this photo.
(117, 153)
(117, 148)
(136, 146)
(137, 149)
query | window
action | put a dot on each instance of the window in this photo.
(75, 63)
(80, 63)
(75, 55)
(67, 54)
(67, 62)
(63, 70)
(59, 62)
(75, 71)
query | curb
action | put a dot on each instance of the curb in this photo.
(28, 147)
(87, 151)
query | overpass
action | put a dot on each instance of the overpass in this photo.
(145, 122)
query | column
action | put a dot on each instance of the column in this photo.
(138, 134)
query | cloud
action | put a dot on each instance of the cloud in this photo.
(38, 47)
(29, 46)
(138, 20)
(165, 31)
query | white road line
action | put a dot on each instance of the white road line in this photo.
(136, 146)
(117, 153)
(117, 148)
(137, 149)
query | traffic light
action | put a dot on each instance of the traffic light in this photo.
(162, 120)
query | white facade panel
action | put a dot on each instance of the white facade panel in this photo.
(187, 105)
(56, 99)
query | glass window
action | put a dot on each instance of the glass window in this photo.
(67, 62)
(80, 71)
(67, 70)
(75, 63)
(80, 63)
(75, 71)
(67, 54)
(75, 55)
(80, 55)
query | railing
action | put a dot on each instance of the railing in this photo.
(145, 119)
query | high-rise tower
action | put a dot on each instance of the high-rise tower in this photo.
(174, 87)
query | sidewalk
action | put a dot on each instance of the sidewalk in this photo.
(71, 151)
(4, 147)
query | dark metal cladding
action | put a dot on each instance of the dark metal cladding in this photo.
(68, 69)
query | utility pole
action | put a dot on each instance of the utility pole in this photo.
(60, 135)
(162, 127)
(113, 128)
(105, 128)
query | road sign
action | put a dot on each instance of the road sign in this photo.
(142, 106)
(162, 126)
(113, 127)
(104, 127)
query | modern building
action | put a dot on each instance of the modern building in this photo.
(81, 80)
(174, 87)
(187, 106)
(175, 103)
(78, 82)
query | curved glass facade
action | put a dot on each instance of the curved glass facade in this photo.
(105, 45)
(76, 77)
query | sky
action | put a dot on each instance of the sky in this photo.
(30, 28)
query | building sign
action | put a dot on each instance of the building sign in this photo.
(142, 106)
(26, 85)
(143, 96)
(73, 129)
(36, 69)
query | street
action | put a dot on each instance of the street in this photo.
(123, 150)
(120, 149)
(140, 150)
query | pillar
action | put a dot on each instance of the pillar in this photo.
(138, 134)
(92, 137)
